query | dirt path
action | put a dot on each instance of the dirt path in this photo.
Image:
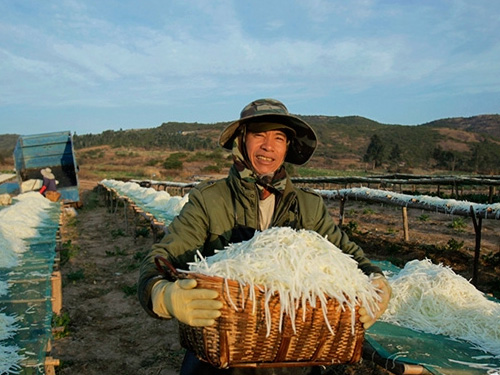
(109, 332)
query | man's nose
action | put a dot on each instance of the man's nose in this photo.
(268, 143)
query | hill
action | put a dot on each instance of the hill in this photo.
(471, 145)
(483, 125)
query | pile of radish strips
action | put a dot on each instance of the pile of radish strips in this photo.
(300, 266)
(432, 298)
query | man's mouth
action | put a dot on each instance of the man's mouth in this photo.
(264, 158)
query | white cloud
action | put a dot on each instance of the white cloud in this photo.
(86, 53)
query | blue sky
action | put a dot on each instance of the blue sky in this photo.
(93, 65)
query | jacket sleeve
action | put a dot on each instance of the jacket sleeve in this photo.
(319, 220)
(184, 236)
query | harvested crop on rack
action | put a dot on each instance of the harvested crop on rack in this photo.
(18, 222)
(9, 360)
(433, 299)
(7, 326)
(300, 266)
(9, 357)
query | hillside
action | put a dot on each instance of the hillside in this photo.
(470, 145)
(484, 125)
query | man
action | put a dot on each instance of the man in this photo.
(49, 185)
(256, 195)
(49, 181)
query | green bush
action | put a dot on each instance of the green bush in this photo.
(423, 217)
(458, 224)
(61, 324)
(351, 227)
(117, 233)
(454, 245)
(76, 276)
(492, 259)
(172, 164)
(68, 251)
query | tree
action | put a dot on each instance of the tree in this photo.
(395, 154)
(445, 159)
(375, 152)
(484, 158)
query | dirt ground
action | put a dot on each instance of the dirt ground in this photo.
(104, 330)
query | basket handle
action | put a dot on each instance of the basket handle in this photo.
(167, 269)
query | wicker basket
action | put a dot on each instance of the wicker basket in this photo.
(239, 338)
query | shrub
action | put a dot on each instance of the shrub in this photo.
(68, 251)
(423, 217)
(492, 259)
(172, 164)
(76, 276)
(458, 224)
(454, 245)
(351, 227)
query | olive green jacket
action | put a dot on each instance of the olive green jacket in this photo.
(226, 211)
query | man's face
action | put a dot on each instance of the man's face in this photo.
(266, 150)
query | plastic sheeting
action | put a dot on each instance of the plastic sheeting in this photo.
(28, 231)
(439, 354)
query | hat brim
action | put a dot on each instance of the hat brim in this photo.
(302, 145)
(46, 174)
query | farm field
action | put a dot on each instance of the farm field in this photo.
(104, 330)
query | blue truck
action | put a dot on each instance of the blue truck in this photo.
(50, 150)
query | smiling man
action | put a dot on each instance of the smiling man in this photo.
(256, 195)
(266, 150)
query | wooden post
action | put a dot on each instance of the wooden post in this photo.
(341, 210)
(56, 283)
(125, 208)
(405, 224)
(492, 193)
(477, 228)
(49, 365)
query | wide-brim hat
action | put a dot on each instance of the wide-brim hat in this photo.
(47, 173)
(303, 140)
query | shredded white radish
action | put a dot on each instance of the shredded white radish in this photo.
(159, 203)
(20, 221)
(297, 265)
(433, 299)
(9, 356)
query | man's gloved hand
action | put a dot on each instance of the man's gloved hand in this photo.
(181, 300)
(385, 291)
